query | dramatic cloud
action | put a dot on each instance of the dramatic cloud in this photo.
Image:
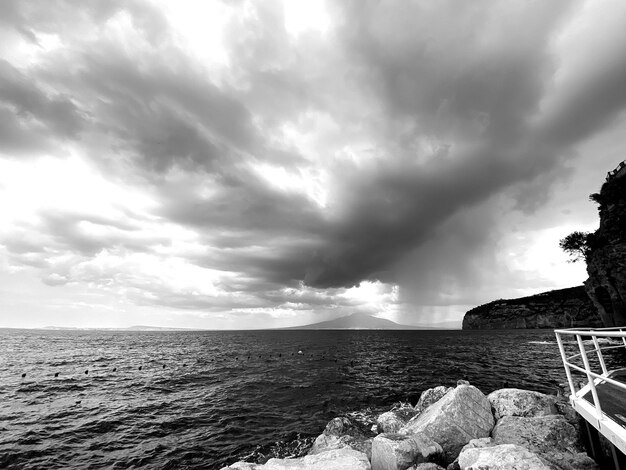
(251, 163)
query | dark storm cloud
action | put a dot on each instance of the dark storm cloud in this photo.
(158, 115)
(474, 85)
(444, 106)
(163, 112)
(31, 118)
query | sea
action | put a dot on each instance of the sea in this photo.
(205, 399)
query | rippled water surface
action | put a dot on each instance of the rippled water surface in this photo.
(206, 399)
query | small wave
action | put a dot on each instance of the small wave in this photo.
(31, 387)
(294, 446)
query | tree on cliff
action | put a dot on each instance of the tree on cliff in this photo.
(577, 245)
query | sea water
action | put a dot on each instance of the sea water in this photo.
(183, 400)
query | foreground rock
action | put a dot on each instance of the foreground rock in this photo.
(516, 402)
(463, 414)
(342, 433)
(500, 457)
(550, 437)
(455, 427)
(399, 452)
(537, 434)
(337, 459)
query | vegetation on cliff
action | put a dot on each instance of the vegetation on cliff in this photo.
(611, 200)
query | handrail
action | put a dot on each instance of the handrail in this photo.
(593, 378)
(599, 333)
(596, 350)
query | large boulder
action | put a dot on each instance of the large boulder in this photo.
(399, 452)
(538, 434)
(337, 459)
(500, 457)
(551, 437)
(461, 415)
(341, 433)
(516, 402)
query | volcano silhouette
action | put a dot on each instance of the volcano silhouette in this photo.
(356, 321)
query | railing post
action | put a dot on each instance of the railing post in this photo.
(594, 393)
(600, 356)
(568, 373)
(623, 337)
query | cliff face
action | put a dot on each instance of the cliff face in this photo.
(606, 256)
(563, 308)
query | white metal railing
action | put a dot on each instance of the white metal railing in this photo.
(593, 378)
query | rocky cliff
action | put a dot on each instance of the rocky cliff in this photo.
(563, 308)
(606, 252)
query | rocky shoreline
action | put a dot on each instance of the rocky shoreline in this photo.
(452, 428)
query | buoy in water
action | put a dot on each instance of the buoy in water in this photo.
(24, 375)
(300, 352)
(163, 366)
(87, 372)
(114, 369)
(140, 367)
(56, 374)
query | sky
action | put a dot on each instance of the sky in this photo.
(252, 164)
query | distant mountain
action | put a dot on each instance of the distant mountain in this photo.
(128, 328)
(358, 321)
(157, 328)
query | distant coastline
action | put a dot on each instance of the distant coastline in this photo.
(128, 328)
(349, 322)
